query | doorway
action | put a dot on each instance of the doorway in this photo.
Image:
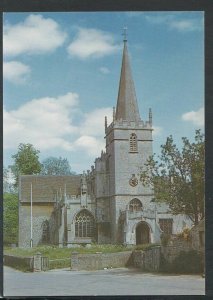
(142, 233)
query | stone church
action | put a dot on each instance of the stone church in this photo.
(107, 204)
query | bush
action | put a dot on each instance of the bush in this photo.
(10, 219)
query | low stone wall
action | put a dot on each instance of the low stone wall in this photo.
(138, 259)
(148, 260)
(170, 252)
(36, 263)
(100, 260)
(152, 259)
(26, 263)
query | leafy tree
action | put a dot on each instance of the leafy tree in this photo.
(178, 178)
(56, 166)
(10, 218)
(26, 161)
(8, 181)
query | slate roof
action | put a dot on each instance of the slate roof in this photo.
(45, 188)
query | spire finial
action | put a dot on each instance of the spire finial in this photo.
(125, 34)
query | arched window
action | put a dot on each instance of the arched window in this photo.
(133, 143)
(45, 232)
(84, 224)
(135, 205)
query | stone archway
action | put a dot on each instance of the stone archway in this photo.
(142, 233)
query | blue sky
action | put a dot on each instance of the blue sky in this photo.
(61, 75)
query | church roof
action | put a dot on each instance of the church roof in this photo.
(45, 188)
(127, 106)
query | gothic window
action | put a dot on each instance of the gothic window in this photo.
(135, 205)
(166, 225)
(133, 143)
(84, 224)
(45, 232)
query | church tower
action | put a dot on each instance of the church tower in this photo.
(128, 146)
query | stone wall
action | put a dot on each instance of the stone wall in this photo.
(148, 260)
(170, 252)
(100, 260)
(17, 262)
(41, 213)
(197, 236)
(34, 263)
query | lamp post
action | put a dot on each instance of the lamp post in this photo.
(31, 215)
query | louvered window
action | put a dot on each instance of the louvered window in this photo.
(133, 143)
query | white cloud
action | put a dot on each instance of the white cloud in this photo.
(176, 22)
(159, 19)
(196, 117)
(48, 124)
(157, 130)
(44, 122)
(15, 72)
(91, 42)
(186, 25)
(104, 70)
(93, 123)
(90, 144)
(35, 35)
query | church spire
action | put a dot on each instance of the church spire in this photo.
(127, 106)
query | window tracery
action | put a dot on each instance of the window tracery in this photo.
(135, 205)
(84, 224)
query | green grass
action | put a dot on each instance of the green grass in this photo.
(60, 263)
(57, 253)
(61, 257)
(146, 246)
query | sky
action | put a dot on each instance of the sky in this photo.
(61, 76)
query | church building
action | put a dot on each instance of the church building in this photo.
(107, 204)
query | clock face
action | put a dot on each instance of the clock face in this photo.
(133, 180)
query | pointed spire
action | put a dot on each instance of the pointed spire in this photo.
(127, 106)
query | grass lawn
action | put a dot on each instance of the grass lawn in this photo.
(54, 252)
(60, 257)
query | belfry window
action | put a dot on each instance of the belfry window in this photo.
(135, 205)
(133, 143)
(84, 224)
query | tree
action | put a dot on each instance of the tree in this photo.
(178, 178)
(56, 166)
(10, 218)
(8, 181)
(26, 161)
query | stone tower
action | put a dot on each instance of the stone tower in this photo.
(128, 145)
